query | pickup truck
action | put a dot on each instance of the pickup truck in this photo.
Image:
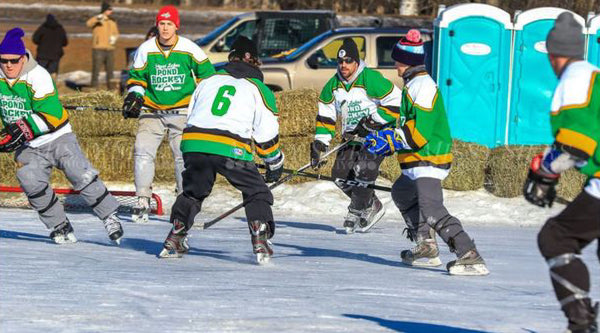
(314, 63)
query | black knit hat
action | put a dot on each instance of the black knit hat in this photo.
(241, 46)
(348, 50)
(105, 6)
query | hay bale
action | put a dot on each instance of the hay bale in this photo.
(9, 168)
(390, 169)
(297, 111)
(90, 123)
(570, 184)
(507, 169)
(468, 167)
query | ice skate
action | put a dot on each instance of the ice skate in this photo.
(176, 244)
(371, 215)
(63, 233)
(587, 315)
(424, 254)
(352, 221)
(113, 227)
(471, 263)
(261, 246)
(141, 210)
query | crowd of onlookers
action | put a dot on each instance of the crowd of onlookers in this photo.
(51, 38)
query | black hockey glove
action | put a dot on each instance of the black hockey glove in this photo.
(274, 169)
(316, 148)
(132, 106)
(366, 126)
(539, 188)
(14, 135)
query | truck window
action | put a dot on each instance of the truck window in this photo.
(327, 56)
(245, 29)
(385, 45)
(283, 34)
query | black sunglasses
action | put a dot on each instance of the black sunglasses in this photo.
(12, 61)
(345, 60)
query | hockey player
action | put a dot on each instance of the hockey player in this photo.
(424, 147)
(229, 111)
(161, 81)
(363, 101)
(37, 129)
(575, 124)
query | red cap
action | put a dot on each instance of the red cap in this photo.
(168, 13)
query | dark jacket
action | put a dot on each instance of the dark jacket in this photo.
(50, 38)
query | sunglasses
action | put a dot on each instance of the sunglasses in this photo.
(345, 60)
(12, 61)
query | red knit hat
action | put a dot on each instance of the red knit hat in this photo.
(168, 13)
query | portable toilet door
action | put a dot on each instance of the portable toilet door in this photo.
(533, 80)
(593, 45)
(473, 66)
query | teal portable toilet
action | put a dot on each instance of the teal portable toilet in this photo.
(472, 70)
(593, 44)
(533, 80)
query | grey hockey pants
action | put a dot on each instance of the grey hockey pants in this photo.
(152, 128)
(64, 153)
(421, 203)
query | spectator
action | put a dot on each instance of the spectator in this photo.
(104, 38)
(50, 38)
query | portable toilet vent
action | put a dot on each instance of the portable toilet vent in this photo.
(533, 80)
(472, 59)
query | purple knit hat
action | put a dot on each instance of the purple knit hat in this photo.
(12, 42)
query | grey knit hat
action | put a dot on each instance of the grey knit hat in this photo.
(566, 37)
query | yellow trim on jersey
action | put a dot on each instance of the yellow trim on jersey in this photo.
(577, 106)
(416, 136)
(416, 157)
(217, 139)
(577, 140)
(181, 104)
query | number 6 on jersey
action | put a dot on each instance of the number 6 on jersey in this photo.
(222, 101)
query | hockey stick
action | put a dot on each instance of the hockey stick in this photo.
(339, 181)
(104, 108)
(293, 173)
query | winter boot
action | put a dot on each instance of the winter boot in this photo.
(352, 220)
(470, 263)
(63, 233)
(260, 232)
(113, 227)
(371, 215)
(582, 316)
(176, 244)
(424, 254)
(140, 211)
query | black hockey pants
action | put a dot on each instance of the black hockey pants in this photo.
(560, 240)
(198, 180)
(354, 162)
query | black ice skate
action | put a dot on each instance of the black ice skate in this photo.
(113, 227)
(424, 254)
(140, 211)
(259, 234)
(352, 221)
(582, 316)
(63, 233)
(371, 215)
(176, 244)
(471, 263)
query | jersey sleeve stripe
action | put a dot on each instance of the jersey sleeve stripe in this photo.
(577, 140)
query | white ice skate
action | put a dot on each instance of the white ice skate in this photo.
(140, 212)
(261, 246)
(424, 254)
(63, 233)
(113, 227)
(470, 264)
(176, 244)
(371, 216)
(352, 221)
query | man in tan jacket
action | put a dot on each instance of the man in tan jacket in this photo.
(104, 38)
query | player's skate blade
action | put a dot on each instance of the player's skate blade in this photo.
(423, 262)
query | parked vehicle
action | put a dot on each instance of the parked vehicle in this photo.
(314, 63)
(273, 31)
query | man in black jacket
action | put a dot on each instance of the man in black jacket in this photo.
(50, 38)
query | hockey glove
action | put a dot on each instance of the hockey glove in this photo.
(14, 135)
(385, 142)
(316, 148)
(539, 188)
(274, 168)
(132, 106)
(365, 127)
